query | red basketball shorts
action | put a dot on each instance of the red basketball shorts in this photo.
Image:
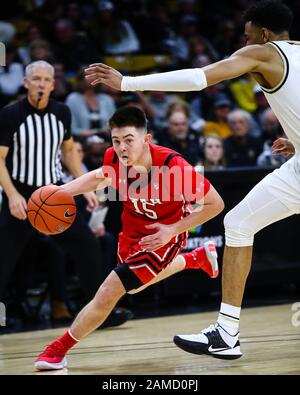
(137, 267)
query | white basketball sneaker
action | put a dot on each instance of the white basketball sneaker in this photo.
(214, 341)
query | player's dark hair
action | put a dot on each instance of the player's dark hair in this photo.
(128, 116)
(271, 14)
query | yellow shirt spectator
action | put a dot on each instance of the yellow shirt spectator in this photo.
(242, 91)
(218, 125)
(219, 128)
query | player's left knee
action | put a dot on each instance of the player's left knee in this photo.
(237, 231)
(104, 299)
(109, 292)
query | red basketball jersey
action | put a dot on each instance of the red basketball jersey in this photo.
(162, 195)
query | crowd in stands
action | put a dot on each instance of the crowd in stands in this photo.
(72, 34)
(226, 125)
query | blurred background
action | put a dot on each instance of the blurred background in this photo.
(228, 128)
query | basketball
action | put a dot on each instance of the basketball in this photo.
(51, 209)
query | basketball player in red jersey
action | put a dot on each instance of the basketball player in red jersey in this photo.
(159, 209)
(272, 59)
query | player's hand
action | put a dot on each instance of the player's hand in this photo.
(98, 73)
(92, 201)
(17, 206)
(163, 235)
(283, 147)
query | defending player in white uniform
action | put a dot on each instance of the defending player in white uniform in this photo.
(274, 61)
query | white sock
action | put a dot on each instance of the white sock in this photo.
(229, 318)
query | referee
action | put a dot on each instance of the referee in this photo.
(34, 135)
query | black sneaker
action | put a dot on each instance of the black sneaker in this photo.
(214, 341)
(117, 317)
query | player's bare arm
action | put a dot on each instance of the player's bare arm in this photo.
(71, 160)
(91, 181)
(209, 208)
(251, 59)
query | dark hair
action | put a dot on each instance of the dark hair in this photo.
(128, 116)
(271, 14)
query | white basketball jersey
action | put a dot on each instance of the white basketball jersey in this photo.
(284, 99)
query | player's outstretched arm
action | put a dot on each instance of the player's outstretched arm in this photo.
(70, 158)
(98, 73)
(248, 59)
(88, 182)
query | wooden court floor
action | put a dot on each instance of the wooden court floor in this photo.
(270, 343)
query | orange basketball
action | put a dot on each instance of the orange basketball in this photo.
(51, 209)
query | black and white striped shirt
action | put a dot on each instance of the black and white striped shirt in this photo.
(34, 139)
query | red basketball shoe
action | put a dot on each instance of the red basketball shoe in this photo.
(204, 258)
(211, 266)
(53, 357)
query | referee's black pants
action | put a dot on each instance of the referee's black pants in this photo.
(78, 241)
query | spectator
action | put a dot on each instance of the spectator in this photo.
(162, 39)
(272, 130)
(201, 52)
(90, 109)
(74, 13)
(40, 50)
(261, 105)
(203, 102)
(242, 91)
(94, 149)
(72, 49)
(241, 149)
(189, 27)
(195, 122)
(187, 7)
(140, 100)
(225, 38)
(180, 138)
(32, 33)
(213, 153)
(62, 87)
(11, 77)
(115, 36)
(47, 15)
(7, 32)
(67, 176)
(160, 102)
(219, 124)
